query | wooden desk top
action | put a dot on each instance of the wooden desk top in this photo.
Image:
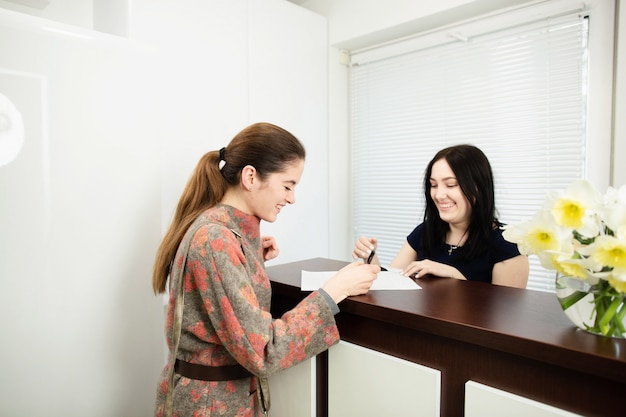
(524, 323)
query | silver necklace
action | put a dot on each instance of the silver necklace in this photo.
(455, 247)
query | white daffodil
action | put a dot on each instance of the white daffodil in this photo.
(585, 268)
(575, 208)
(617, 279)
(615, 210)
(608, 251)
(539, 235)
(581, 234)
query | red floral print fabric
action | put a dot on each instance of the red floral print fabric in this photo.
(226, 319)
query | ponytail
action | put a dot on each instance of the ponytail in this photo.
(205, 188)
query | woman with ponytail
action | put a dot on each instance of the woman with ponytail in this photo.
(222, 338)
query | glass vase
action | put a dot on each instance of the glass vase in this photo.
(598, 308)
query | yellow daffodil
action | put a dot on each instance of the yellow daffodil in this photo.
(571, 268)
(569, 213)
(608, 251)
(584, 268)
(574, 207)
(618, 281)
(538, 235)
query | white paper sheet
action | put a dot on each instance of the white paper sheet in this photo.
(387, 280)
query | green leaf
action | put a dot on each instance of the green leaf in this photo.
(570, 300)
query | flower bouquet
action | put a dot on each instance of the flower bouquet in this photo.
(581, 234)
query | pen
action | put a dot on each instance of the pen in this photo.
(369, 258)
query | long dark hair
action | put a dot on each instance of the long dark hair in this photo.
(475, 177)
(268, 148)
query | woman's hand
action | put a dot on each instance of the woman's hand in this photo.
(270, 249)
(354, 279)
(420, 268)
(364, 246)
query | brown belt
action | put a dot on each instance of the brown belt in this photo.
(211, 373)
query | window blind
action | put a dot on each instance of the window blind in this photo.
(518, 93)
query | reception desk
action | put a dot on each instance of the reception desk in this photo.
(518, 341)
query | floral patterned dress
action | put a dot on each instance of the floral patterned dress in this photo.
(226, 318)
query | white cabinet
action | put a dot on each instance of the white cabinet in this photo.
(485, 401)
(292, 391)
(363, 382)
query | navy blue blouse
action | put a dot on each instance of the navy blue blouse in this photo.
(476, 269)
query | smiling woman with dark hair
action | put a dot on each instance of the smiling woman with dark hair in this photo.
(461, 236)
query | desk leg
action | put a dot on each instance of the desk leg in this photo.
(452, 393)
(321, 385)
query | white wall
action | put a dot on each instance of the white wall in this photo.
(203, 48)
(114, 127)
(289, 86)
(79, 224)
(243, 62)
